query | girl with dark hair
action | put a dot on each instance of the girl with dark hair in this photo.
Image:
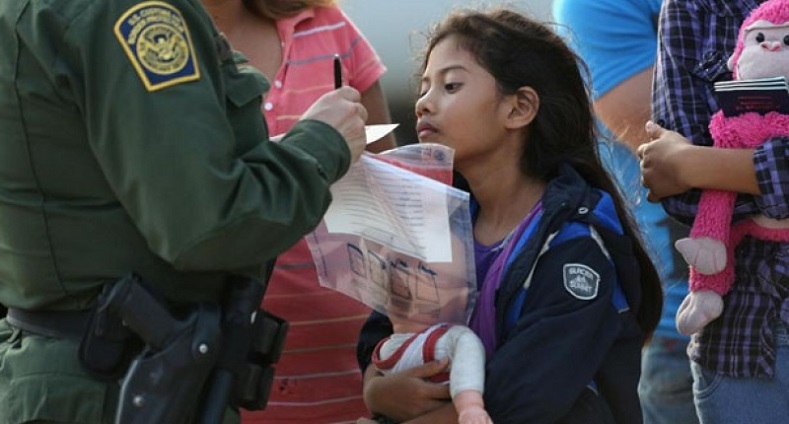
(567, 294)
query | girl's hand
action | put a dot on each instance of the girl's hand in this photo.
(406, 395)
(662, 171)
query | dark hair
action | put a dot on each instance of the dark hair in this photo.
(518, 51)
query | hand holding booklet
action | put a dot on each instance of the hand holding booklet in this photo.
(398, 237)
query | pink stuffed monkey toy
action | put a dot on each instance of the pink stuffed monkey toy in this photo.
(762, 51)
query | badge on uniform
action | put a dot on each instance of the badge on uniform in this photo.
(156, 40)
(581, 281)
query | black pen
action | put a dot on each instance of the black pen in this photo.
(337, 72)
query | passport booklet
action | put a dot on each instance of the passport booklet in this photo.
(761, 95)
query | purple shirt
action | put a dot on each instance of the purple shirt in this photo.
(492, 262)
(697, 38)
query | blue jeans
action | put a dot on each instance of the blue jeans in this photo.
(726, 400)
(666, 385)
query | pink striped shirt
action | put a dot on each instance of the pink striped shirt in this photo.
(310, 41)
(317, 379)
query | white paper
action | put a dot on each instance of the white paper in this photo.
(373, 133)
(394, 207)
(379, 131)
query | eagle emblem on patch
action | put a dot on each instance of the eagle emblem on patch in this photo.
(581, 281)
(156, 40)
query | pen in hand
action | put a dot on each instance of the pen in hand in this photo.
(337, 72)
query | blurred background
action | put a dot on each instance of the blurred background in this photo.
(396, 30)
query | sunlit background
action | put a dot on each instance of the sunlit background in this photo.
(396, 29)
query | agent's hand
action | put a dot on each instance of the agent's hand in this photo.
(661, 162)
(342, 110)
(406, 395)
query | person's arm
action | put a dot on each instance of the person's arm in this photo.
(619, 56)
(671, 165)
(625, 108)
(682, 98)
(188, 160)
(559, 342)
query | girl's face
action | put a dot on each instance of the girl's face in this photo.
(459, 105)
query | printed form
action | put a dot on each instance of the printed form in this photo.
(400, 209)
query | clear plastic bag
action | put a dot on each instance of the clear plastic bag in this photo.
(398, 237)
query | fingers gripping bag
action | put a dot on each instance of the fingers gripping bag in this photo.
(397, 236)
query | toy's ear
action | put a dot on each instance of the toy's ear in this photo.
(522, 107)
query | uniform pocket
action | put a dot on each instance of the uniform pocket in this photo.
(245, 88)
(41, 380)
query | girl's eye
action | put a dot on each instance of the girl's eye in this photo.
(759, 37)
(452, 86)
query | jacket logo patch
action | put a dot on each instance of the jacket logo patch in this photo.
(156, 40)
(581, 281)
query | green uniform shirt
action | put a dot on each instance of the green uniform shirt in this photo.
(130, 141)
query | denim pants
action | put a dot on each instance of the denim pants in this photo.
(666, 385)
(726, 400)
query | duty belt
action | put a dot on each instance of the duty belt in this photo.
(56, 324)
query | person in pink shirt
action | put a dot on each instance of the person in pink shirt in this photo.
(293, 42)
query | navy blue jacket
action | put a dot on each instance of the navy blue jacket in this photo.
(574, 327)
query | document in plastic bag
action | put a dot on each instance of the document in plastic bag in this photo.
(398, 238)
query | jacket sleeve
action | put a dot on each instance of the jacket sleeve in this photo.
(190, 162)
(560, 340)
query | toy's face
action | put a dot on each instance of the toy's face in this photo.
(765, 51)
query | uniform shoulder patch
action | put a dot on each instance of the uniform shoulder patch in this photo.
(581, 281)
(156, 40)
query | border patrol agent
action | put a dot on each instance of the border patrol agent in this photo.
(132, 141)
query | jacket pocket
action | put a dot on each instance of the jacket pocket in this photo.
(245, 87)
(244, 90)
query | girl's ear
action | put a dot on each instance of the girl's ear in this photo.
(522, 108)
